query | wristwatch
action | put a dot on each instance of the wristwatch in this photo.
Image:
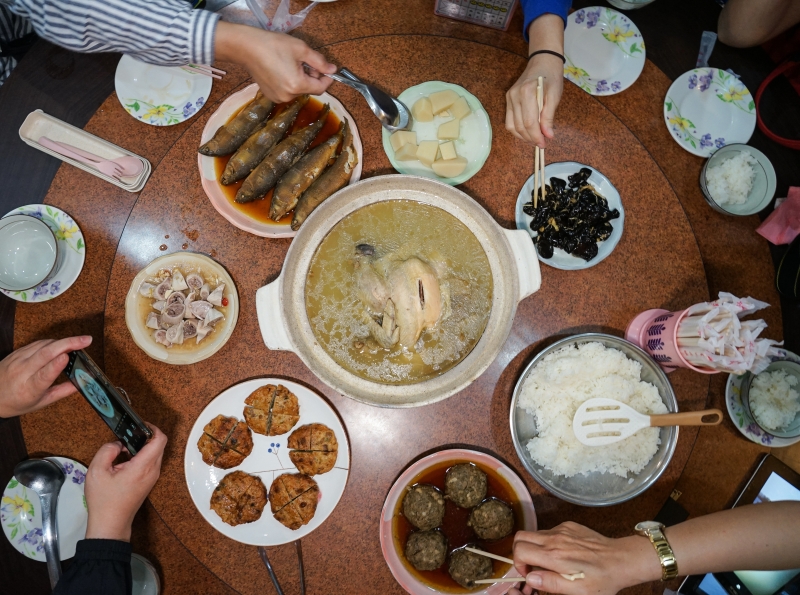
(655, 533)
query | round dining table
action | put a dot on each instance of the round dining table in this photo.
(675, 251)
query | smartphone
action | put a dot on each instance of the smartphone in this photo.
(110, 405)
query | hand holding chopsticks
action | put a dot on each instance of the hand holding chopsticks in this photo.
(539, 179)
(510, 579)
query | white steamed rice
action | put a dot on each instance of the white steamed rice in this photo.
(773, 401)
(563, 380)
(731, 181)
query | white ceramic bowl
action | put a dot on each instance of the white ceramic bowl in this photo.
(142, 335)
(764, 183)
(790, 368)
(28, 252)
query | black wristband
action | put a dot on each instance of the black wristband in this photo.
(556, 54)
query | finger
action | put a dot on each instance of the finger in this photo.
(544, 580)
(530, 115)
(549, 114)
(315, 86)
(152, 452)
(104, 458)
(510, 118)
(46, 375)
(31, 348)
(51, 351)
(318, 62)
(519, 122)
(58, 392)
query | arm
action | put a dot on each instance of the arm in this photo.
(544, 27)
(747, 23)
(757, 537)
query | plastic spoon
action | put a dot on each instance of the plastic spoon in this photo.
(601, 421)
(108, 168)
(45, 478)
(131, 166)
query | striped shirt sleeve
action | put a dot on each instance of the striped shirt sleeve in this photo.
(164, 32)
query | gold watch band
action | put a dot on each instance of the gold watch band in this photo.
(654, 532)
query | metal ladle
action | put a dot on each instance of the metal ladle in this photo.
(45, 478)
(405, 120)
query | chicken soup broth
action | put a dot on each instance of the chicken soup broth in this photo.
(399, 292)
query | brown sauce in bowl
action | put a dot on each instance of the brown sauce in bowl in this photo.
(259, 209)
(455, 528)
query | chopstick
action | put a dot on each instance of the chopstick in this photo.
(204, 69)
(539, 180)
(485, 581)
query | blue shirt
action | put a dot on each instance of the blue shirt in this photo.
(533, 9)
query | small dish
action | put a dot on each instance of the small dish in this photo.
(213, 187)
(21, 513)
(28, 252)
(604, 50)
(562, 260)
(72, 253)
(389, 545)
(160, 95)
(269, 458)
(708, 108)
(474, 142)
(136, 312)
(764, 183)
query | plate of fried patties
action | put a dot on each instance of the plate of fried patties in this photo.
(267, 461)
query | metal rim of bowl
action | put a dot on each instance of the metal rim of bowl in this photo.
(670, 396)
(744, 397)
(55, 260)
(704, 182)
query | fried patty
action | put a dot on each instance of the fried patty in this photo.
(239, 498)
(225, 442)
(465, 485)
(271, 410)
(423, 506)
(315, 449)
(492, 519)
(293, 499)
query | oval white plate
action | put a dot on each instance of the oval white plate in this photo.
(72, 251)
(743, 422)
(561, 259)
(213, 187)
(604, 50)
(269, 459)
(475, 142)
(708, 108)
(21, 513)
(402, 574)
(142, 335)
(159, 95)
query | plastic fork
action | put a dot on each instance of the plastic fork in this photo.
(601, 421)
(109, 168)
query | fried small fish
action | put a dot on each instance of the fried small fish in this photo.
(279, 160)
(230, 136)
(258, 144)
(303, 173)
(334, 178)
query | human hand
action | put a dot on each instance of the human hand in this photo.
(522, 108)
(27, 373)
(115, 492)
(609, 565)
(274, 60)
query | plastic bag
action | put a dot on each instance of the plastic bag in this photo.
(282, 21)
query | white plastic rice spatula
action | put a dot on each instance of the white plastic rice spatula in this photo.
(604, 421)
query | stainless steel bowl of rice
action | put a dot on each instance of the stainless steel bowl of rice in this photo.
(555, 383)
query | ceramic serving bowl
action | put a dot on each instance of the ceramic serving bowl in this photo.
(764, 183)
(791, 368)
(596, 489)
(281, 304)
(28, 252)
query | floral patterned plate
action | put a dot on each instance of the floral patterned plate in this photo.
(159, 95)
(708, 108)
(604, 50)
(743, 422)
(72, 253)
(21, 513)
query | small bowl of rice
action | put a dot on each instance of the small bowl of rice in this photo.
(547, 396)
(738, 180)
(772, 398)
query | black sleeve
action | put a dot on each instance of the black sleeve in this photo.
(100, 566)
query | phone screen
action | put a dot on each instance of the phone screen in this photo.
(107, 401)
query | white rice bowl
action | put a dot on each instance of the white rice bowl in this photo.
(566, 378)
(731, 181)
(774, 399)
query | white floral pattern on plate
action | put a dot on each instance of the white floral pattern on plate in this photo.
(604, 50)
(743, 422)
(72, 253)
(20, 513)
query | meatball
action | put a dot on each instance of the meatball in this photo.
(426, 550)
(423, 506)
(492, 519)
(465, 485)
(466, 567)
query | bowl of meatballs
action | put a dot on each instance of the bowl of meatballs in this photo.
(445, 503)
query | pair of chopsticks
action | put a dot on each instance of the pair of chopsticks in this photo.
(203, 69)
(539, 182)
(520, 579)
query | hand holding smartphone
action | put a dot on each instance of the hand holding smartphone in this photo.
(110, 405)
